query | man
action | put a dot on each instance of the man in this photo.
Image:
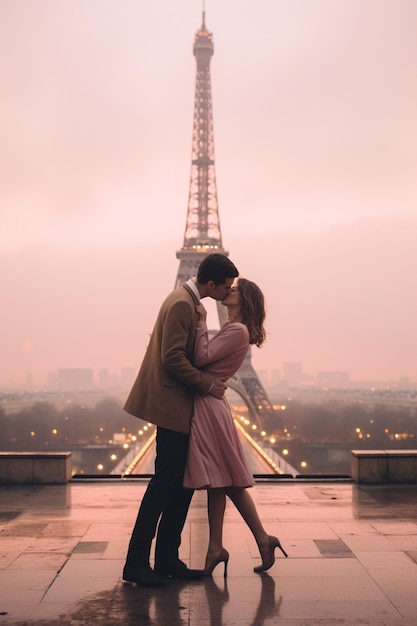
(163, 394)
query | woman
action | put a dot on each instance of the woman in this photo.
(216, 460)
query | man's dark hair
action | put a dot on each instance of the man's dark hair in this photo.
(216, 267)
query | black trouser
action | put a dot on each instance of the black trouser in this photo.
(166, 500)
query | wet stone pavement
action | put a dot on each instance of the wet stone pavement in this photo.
(352, 558)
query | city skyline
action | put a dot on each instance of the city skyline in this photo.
(284, 375)
(316, 155)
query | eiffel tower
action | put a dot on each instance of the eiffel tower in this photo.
(202, 231)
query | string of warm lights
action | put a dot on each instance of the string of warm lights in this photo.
(258, 448)
(140, 454)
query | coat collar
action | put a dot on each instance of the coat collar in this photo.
(190, 290)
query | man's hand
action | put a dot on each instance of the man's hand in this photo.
(218, 388)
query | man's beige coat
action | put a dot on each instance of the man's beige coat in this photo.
(163, 392)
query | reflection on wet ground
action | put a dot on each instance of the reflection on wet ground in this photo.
(353, 558)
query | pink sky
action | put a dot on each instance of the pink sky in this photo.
(315, 127)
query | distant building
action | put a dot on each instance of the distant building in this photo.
(52, 380)
(333, 379)
(119, 438)
(75, 379)
(104, 378)
(275, 377)
(263, 376)
(292, 373)
(404, 384)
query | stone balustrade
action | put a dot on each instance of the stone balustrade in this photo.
(35, 468)
(384, 466)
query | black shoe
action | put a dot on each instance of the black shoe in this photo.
(142, 575)
(178, 569)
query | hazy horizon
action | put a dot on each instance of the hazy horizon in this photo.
(316, 161)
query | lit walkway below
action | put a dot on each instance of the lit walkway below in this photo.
(261, 459)
(353, 559)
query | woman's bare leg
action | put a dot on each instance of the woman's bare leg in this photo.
(266, 543)
(216, 504)
(246, 507)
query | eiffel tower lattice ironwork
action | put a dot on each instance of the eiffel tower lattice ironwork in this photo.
(202, 231)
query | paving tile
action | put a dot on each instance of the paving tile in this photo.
(38, 561)
(18, 607)
(310, 530)
(65, 529)
(7, 558)
(375, 560)
(362, 543)
(396, 528)
(23, 529)
(352, 527)
(412, 554)
(333, 548)
(59, 545)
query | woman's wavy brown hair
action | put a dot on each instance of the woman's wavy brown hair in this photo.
(252, 310)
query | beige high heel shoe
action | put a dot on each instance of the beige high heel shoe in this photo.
(268, 554)
(221, 557)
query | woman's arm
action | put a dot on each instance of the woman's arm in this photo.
(231, 338)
